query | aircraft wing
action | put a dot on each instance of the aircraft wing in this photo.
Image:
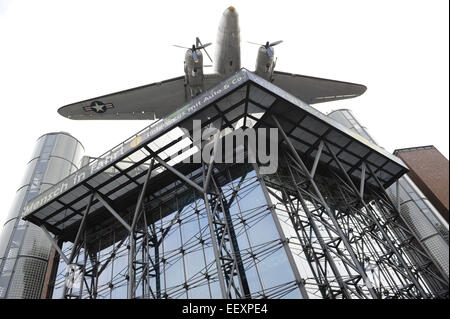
(313, 90)
(141, 103)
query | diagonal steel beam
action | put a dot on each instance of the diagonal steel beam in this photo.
(394, 207)
(375, 220)
(236, 252)
(324, 247)
(271, 207)
(55, 245)
(81, 228)
(137, 211)
(214, 241)
(327, 209)
(363, 178)
(174, 171)
(316, 160)
(112, 211)
(131, 291)
(211, 163)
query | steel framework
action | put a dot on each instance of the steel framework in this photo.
(351, 238)
(322, 226)
(348, 233)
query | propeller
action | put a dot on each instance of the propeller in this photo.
(195, 47)
(268, 46)
(197, 41)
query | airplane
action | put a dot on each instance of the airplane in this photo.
(154, 101)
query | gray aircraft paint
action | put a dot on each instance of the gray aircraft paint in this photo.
(228, 45)
(159, 99)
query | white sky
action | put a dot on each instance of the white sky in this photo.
(57, 52)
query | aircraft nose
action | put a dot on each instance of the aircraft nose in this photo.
(230, 20)
(230, 11)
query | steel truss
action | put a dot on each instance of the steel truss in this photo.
(346, 232)
(351, 238)
(223, 226)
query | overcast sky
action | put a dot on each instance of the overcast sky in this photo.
(57, 52)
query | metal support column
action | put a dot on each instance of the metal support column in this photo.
(368, 210)
(298, 279)
(131, 291)
(356, 262)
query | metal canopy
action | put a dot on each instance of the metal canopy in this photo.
(243, 100)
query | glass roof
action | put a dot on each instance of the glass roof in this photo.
(243, 100)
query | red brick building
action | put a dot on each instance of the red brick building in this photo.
(429, 170)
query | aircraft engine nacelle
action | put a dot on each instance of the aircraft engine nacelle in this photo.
(264, 63)
(193, 69)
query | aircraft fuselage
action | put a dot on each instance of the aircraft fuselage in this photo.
(159, 99)
(228, 45)
(227, 58)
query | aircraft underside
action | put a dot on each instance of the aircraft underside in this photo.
(157, 100)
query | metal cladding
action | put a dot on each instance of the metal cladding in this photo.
(24, 249)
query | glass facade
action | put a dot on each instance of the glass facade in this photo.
(180, 250)
(138, 222)
(287, 243)
(24, 248)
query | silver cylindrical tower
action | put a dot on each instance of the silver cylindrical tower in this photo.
(24, 248)
(418, 213)
(346, 118)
